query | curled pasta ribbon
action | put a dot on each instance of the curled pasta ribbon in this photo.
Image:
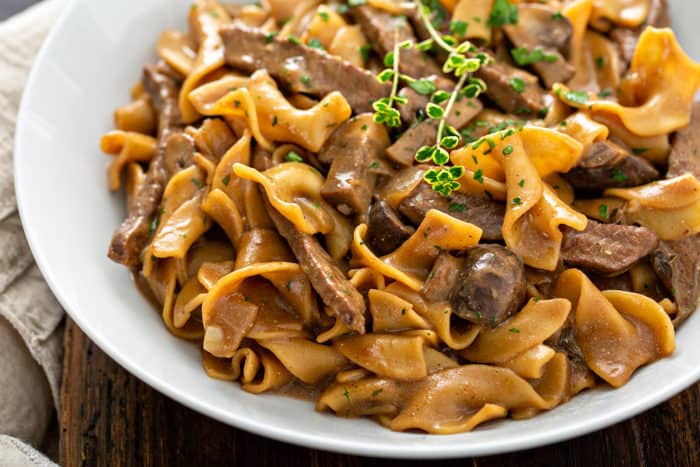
(448, 401)
(226, 315)
(653, 148)
(175, 48)
(245, 366)
(531, 363)
(584, 129)
(627, 13)
(635, 326)
(450, 329)
(206, 17)
(271, 117)
(392, 313)
(671, 207)
(535, 323)
(128, 147)
(182, 220)
(411, 262)
(390, 355)
(533, 211)
(294, 190)
(305, 359)
(660, 87)
(137, 116)
(335, 35)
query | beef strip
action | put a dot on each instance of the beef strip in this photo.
(606, 248)
(416, 103)
(490, 287)
(303, 69)
(626, 38)
(538, 27)
(383, 30)
(442, 278)
(179, 151)
(129, 240)
(685, 148)
(326, 277)
(482, 212)
(385, 230)
(353, 147)
(421, 134)
(605, 164)
(677, 264)
(499, 78)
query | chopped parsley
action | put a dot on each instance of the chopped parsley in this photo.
(306, 81)
(226, 180)
(374, 165)
(502, 13)
(603, 210)
(315, 43)
(403, 311)
(508, 150)
(269, 36)
(514, 330)
(524, 56)
(293, 39)
(521, 183)
(479, 175)
(198, 183)
(639, 151)
(293, 157)
(457, 207)
(578, 97)
(607, 92)
(324, 15)
(364, 51)
(376, 392)
(558, 16)
(619, 176)
(274, 120)
(459, 28)
(346, 394)
(600, 62)
(516, 201)
(517, 84)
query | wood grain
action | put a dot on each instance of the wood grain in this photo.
(110, 418)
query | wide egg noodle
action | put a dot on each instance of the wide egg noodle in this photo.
(128, 147)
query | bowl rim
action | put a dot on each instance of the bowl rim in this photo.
(617, 413)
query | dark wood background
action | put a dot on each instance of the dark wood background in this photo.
(110, 418)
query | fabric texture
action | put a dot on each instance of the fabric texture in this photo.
(31, 320)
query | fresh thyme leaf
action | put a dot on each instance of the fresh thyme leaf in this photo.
(424, 87)
(502, 13)
(293, 157)
(315, 43)
(459, 28)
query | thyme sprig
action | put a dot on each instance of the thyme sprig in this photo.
(384, 110)
(462, 61)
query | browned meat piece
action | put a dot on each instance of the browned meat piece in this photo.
(404, 149)
(383, 30)
(541, 282)
(262, 159)
(499, 79)
(685, 148)
(302, 69)
(442, 278)
(327, 279)
(385, 231)
(491, 285)
(677, 263)
(539, 28)
(129, 240)
(416, 103)
(179, 151)
(352, 149)
(482, 212)
(626, 38)
(606, 248)
(606, 164)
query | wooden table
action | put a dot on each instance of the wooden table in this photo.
(110, 418)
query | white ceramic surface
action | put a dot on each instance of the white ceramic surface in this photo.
(85, 69)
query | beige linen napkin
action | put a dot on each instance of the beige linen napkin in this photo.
(31, 329)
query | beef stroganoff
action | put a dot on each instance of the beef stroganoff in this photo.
(433, 214)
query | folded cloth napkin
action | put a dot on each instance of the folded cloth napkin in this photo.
(31, 321)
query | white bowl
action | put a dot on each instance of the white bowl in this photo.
(88, 63)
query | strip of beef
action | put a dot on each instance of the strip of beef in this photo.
(626, 38)
(442, 278)
(539, 27)
(351, 150)
(606, 248)
(327, 279)
(677, 264)
(482, 212)
(605, 164)
(383, 30)
(490, 287)
(385, 230)
(404, 149)
(416, 103)
(500, 78)
(129, 240)
(303, 69)
(685, 148)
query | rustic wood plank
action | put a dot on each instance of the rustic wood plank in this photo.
(110, 418)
